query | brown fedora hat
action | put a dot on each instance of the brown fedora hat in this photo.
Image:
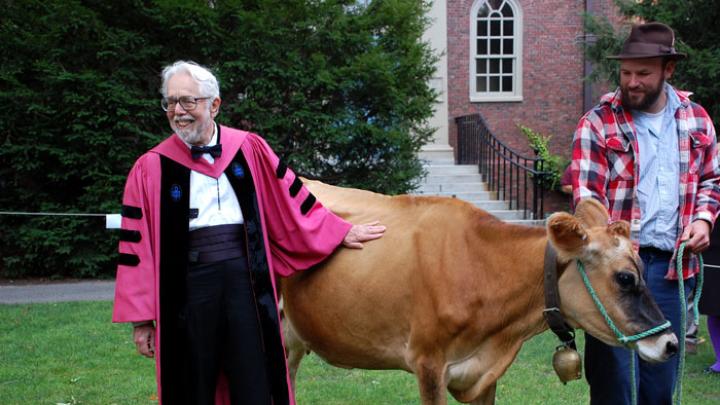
(649, 40)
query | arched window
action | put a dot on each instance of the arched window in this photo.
(495, 51)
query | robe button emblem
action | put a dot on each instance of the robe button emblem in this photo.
(238, 170)
(175, 192)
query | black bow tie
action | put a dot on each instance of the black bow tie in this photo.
(214, 151)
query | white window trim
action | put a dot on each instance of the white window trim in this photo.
(487, 97)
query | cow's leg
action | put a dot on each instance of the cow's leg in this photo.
(430, 373)
(487, 397)
(294, 346)
(295, 354)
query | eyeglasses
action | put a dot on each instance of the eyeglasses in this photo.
(186, 102)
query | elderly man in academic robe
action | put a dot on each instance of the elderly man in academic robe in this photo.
(210, 217)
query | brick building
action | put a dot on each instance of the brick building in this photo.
(514, 62)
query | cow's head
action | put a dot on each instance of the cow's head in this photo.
(615, 272)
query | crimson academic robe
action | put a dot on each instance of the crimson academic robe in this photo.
(286, 230)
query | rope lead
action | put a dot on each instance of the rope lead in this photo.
(683, 314)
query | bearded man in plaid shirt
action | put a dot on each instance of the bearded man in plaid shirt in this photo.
(649, 154)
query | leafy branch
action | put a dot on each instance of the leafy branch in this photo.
(554, 165)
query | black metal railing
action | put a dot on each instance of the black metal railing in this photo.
(514, 177)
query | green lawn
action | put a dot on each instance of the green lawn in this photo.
(70, 353)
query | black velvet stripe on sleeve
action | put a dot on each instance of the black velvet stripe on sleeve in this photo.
(307, 204)
(281, 170)
(295, 186)
(128, 211)
(127, 259)
(127, 235)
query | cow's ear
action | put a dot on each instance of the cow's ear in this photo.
(620, 228)
(592, 213)
(566, 233)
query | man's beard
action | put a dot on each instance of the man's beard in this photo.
(192, 134)
(649, 98)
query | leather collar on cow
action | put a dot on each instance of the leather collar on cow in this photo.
(554, 318)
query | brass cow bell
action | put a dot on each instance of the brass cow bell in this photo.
(567, 364)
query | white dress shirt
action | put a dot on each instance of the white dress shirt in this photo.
(214, 199)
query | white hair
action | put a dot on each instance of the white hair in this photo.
(207, 82)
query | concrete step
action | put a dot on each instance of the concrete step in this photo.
(479, 195)
(464, 182)
(526, 222)
(437, 155)
(452, 178)
(498, 208)
(451, 169)
(481, 200)
(506, 215)
(491, 205)
(452, 187)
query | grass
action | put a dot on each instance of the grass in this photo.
(70, 353)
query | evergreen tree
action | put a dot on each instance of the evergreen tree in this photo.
(338, 88)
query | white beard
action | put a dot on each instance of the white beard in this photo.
(192, 133)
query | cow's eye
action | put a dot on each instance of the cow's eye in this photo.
(625, 279)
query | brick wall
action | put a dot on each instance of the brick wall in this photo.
(552, 72)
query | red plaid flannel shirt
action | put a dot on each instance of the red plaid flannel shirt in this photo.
(605, 166)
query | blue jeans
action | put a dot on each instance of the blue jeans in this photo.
(607, 368)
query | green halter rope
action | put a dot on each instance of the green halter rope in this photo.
(620, 336)
(683, 313)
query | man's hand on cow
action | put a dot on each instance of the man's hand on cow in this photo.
(363, 233)
(697, 236)
(144, 338)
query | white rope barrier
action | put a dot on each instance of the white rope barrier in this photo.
(112, 221)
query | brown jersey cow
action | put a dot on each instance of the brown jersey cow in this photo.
(450, 293)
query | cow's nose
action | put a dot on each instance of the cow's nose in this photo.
(671, 348)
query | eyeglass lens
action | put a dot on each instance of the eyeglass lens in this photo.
(187, 103)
